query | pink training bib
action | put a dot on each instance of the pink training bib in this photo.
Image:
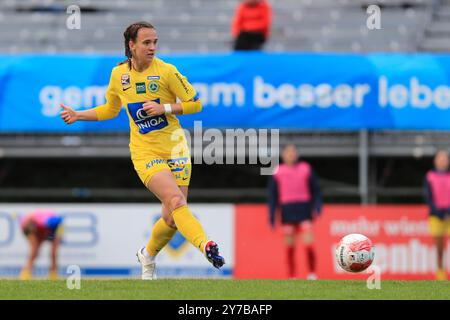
(39, 216)
(440, 188)
(293, 182)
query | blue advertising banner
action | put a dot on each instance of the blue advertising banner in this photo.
(243, 90)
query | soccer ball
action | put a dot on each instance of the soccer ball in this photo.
(355, 252)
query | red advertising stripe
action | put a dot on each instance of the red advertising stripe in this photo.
(403, 247)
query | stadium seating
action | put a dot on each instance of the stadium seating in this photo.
(204, 25)
(437, 33)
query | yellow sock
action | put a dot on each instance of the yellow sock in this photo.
(189, 227)
(25, 274)
(161, 235)
(53, 275)
(441, 274)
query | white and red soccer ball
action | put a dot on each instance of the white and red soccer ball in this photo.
(355, 252)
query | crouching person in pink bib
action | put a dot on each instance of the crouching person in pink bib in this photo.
(38, 226)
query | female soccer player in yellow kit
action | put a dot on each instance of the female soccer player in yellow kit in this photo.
(148, 88)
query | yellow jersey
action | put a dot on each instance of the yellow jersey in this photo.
(160, 82)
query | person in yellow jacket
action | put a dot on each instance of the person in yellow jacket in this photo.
(148, 88)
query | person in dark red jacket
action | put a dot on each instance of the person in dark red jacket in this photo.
(251, 24)
(294, 188)
(437, 195)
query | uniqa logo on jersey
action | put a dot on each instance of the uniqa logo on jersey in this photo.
(145, 122)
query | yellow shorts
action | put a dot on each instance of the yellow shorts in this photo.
(180, 167)
(439, 227)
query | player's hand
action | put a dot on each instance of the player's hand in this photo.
(68, 114)
(152, 108)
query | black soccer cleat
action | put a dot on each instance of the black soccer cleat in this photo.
(212, 254)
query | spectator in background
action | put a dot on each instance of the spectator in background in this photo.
(251, 24)
(437, 195)
(38, 226)
(295, 189)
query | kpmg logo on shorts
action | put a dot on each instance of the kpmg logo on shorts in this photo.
(153, 162)
(145, 122)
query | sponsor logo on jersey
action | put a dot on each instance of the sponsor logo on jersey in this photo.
(177, 164)
(153, 78)
(153, 86)
(125, 80)
(140, 87)
(145, 122)
(180, 78)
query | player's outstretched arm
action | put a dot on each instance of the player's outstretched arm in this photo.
(154, 109)
(70, 116)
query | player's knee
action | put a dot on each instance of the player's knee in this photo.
(308, 238)
(176, 201)
(289, 239)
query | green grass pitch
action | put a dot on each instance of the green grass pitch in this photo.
(181, 289)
